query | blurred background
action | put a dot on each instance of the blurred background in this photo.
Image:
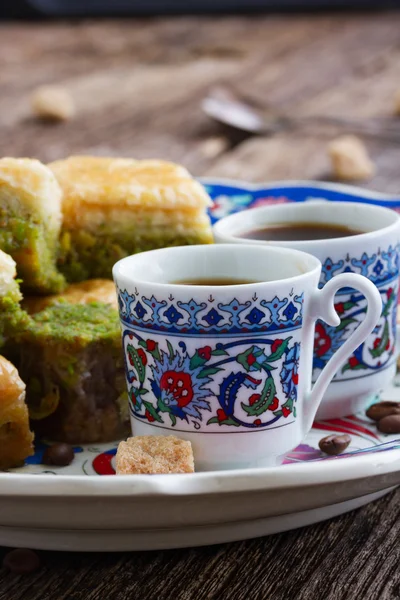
(253, 89)
(135, 7)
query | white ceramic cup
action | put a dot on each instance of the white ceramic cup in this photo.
(373, 254)
(229, 367)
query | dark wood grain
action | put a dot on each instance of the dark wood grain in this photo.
(352, 557)
(138, 85)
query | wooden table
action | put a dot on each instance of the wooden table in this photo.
(138, 86)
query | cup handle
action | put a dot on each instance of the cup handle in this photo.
(322, 307)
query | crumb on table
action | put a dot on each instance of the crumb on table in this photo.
(149, 454)
(52, 102)
(350, 160)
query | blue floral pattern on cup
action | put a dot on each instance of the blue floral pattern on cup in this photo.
(382, 268)
(257, 315)
(173, 388)
(181, 382)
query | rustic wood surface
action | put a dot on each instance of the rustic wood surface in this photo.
(138, 85)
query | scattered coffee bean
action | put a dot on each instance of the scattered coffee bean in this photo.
(377, 411)
(21, 561)
(390, 424)
(59, 455)
(334, 444)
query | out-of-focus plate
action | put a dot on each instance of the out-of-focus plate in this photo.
(234, 196)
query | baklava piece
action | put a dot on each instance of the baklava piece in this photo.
(72, 363)
(12, 318)
(30, 222)
(151, 454)
(93, 290)
(16, 439)
(116, 207)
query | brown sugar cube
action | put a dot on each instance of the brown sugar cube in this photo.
(16, 439)
(52, 102)
(350, 160)
(148, 454)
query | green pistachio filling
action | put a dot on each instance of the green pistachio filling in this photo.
(13, 319)
(84, 255)
(62, 349)
(34, 249)
(75, 325)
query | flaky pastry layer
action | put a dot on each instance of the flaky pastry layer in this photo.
(28, 186)
(99, 184)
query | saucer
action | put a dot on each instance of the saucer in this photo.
(86, 507)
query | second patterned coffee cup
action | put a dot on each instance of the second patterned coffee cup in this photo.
(370, 249)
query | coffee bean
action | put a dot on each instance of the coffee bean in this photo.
(59, 455)
(390, 424)
(21, 561)
(334, 444)
(377, 411)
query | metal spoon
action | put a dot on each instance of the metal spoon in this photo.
(225, 106)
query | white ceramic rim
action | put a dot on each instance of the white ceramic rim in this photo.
(124, 279)
(231, 230)
(204, 483)
(215, 482)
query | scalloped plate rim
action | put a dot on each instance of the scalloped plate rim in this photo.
(210, 482)
(280, 183)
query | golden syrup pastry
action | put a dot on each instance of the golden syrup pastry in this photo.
(16, 439)
(113, 207)
(30, 222)
(85, 292)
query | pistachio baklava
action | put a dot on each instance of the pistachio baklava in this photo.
(71, 360)
(30, 222)
(113, 207)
